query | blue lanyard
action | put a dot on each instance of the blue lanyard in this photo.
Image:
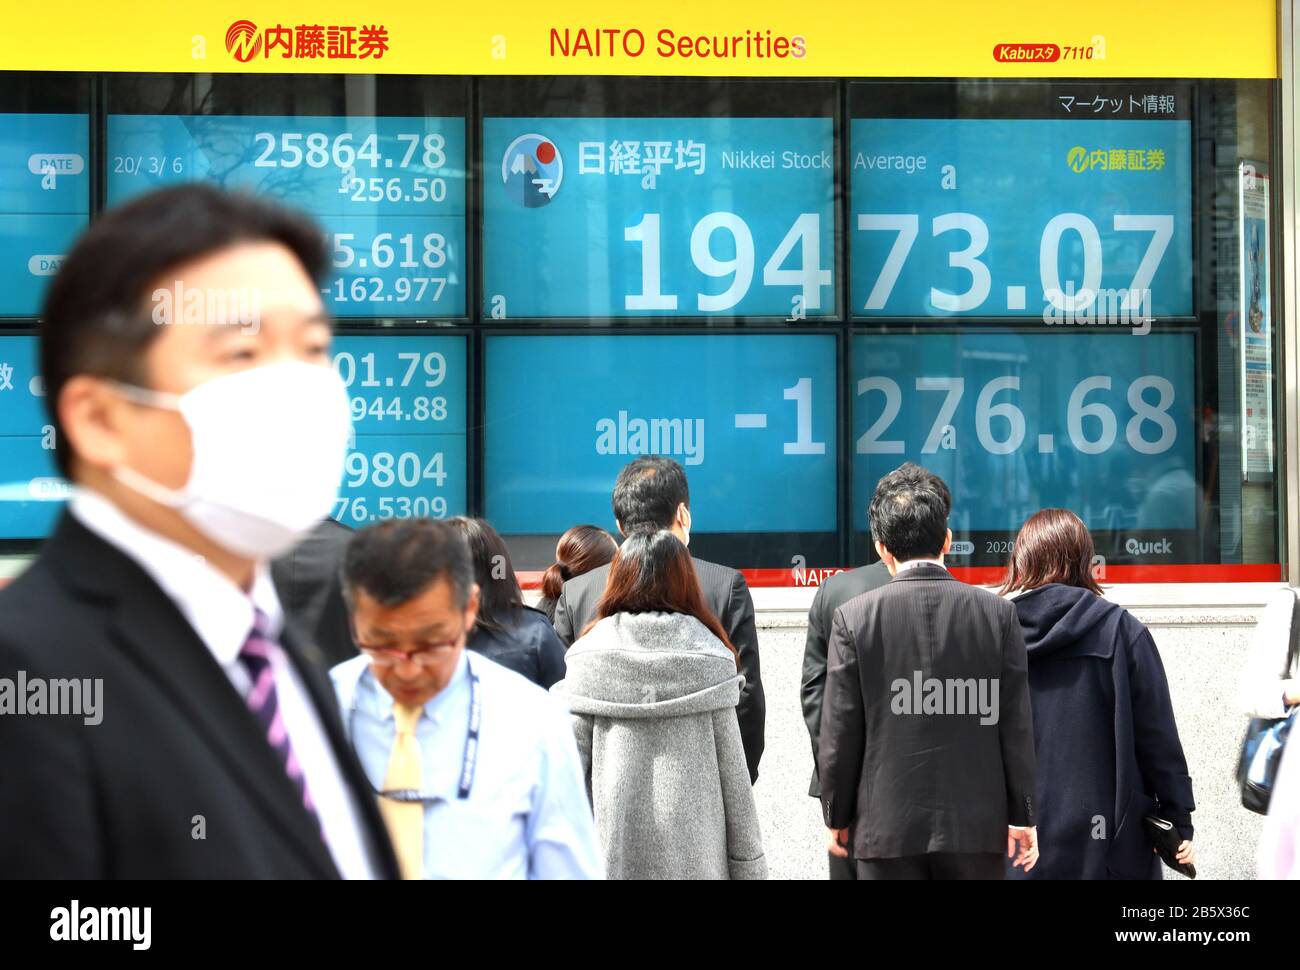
(469, 762)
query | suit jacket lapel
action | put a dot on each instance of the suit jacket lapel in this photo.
(308, 661)
(150, 629)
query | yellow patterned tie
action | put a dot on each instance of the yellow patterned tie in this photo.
(405, 820)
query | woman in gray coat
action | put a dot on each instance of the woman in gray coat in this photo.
(653, 688)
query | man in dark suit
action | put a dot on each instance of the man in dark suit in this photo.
(832, 594)
(652, 492)
(927, 750)
(308, 580)
(204, 438)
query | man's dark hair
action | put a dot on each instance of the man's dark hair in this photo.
(397, 560)
(96, 318)
(909, 513)
(648, 492)
(915, 472)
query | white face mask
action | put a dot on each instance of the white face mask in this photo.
(269, 446)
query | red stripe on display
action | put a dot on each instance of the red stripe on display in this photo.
(986, 575)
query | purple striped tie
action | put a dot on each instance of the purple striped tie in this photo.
(265, 705)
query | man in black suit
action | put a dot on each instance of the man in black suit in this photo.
(832, 594)
(927, 749)
(652, 492)
(204, 438)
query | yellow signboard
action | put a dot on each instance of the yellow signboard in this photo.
(765, 38)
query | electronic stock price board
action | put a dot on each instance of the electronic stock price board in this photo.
(407, 397)
(44, 202)
(1016, 279)
(389, 193)
(658, 217)
(31, 490)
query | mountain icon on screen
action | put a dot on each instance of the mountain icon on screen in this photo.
(531, 170)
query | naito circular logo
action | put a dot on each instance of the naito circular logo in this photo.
(532, 170)
(243, 40)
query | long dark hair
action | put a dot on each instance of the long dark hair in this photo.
(580, 550)
(1053, 546)
(499, 598)
(653, 573)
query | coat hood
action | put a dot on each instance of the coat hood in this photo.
(1057, 618)
(649, 665)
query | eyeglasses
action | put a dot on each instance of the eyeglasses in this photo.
(388, 656)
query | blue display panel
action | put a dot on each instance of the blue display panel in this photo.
(750, 417)
(389, 192)
(1059, 218)
(408, 400)
(1103, 424)
(31, 491)
(44, 202)
(653, 217)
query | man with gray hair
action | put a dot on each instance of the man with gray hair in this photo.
(476, 769)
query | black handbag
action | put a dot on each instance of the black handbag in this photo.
(1164, 838)
(1261, 749)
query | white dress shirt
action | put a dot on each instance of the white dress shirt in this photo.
(912, 563)
(222, 615)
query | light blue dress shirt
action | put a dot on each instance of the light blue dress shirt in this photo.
(527, 815)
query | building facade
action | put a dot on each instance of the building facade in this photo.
(1049, 254)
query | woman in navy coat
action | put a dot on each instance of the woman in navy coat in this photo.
(1106, 743)
(506, 631)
